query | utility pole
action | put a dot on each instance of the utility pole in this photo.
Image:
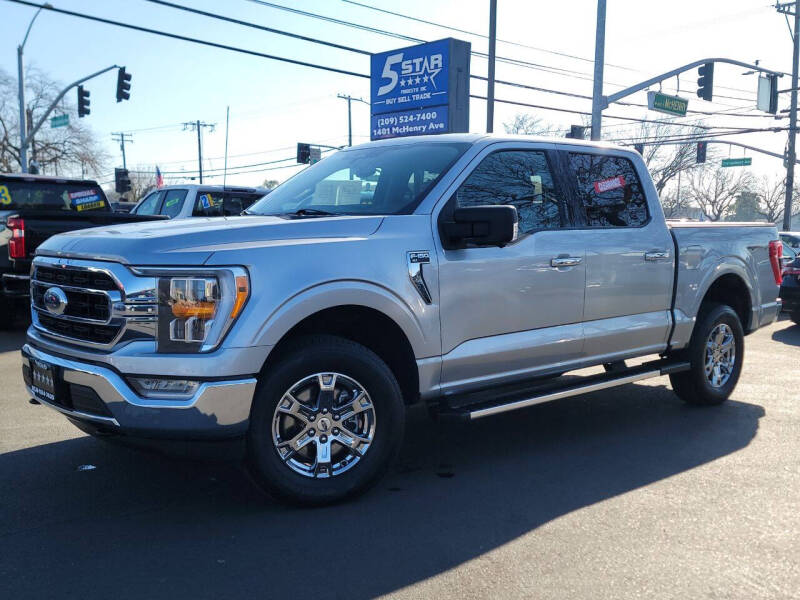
(198, 126)
(349, 114)
(490, 79)
(122, 138)
(599, 60)
(791, 8)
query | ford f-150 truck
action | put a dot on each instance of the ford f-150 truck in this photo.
(465, 271)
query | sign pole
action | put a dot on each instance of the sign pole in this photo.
(599, 58)
(490, 79)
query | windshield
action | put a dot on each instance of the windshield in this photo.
(378, 180)
(18, 194)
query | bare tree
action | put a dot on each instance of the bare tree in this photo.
(270, 183)
(771, 196)
(715, 190)
(70, 150)
(666, 161)
(143, 181)
(673, 203)
(527, 124)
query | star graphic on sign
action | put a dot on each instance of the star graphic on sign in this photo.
(418, 80)
(402, 82)
(425, 79)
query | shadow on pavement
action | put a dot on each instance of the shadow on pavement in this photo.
(12, 339)
(141, 526)
(788, 335)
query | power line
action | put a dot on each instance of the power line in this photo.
(257, 26)
(188, 39)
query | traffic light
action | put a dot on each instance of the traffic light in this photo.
(701, 151)
(83, 102)
(705, 83)
(122, 181)
(123, 85)
(639, 148)
(576, 132)
(303, 153)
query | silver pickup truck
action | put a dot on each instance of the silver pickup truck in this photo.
(469, 272)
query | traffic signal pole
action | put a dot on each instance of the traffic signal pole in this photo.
(490, 78)
(791, 154)
(599, 60)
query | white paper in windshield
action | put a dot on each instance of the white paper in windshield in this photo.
(337, 192)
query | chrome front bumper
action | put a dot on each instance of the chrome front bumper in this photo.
(219, 409)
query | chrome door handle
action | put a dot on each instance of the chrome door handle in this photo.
(565, 261)
(656, 255)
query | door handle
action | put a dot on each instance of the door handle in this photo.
(656, 255)
(565, 261)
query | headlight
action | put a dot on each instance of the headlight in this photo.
(196, 309)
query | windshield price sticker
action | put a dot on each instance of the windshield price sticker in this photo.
(414, 122)
(5, 196)
(606, 185)
(86, 200)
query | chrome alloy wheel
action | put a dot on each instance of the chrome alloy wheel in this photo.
(323, 425)
(720, 355)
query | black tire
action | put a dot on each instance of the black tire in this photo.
(693, 386)
(6, 314)
(323, 354)
(795, 317)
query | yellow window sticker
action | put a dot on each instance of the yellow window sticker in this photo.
(5, 196)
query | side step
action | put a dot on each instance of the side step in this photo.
(476, 405)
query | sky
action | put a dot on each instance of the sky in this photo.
(273, 105)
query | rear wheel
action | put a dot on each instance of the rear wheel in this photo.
(326, 422)
(795, 317)
(715, 353)
(6, 313)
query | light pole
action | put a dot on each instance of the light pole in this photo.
(599, 59)
(349, 115)
(23, 140)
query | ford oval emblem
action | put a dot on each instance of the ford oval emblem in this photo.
(55, 300)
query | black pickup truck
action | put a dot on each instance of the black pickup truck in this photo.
(34, 208)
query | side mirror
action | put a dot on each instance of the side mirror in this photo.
(490, 225)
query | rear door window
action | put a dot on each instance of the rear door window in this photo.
(219, 204)
(51, 195)
(173, 202)
(609, 191)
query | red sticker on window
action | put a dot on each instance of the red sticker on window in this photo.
(606, 185)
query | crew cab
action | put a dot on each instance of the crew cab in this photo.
(192, 200)
(33, 208)
(468, 272)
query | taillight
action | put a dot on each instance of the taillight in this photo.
(16, 245)
(775, 255)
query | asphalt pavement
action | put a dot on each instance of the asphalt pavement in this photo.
(625, 493)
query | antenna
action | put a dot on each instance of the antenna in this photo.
(225, 170)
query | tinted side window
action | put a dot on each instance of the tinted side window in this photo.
(519, 178)
(609, 191)
(208, 204)
(149, 206)
(173, 202)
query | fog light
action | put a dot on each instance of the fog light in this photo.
(150, 387)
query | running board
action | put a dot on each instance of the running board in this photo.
(492, 402)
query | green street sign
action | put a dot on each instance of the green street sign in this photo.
(59, 121)
(672, 105)
(737, 162)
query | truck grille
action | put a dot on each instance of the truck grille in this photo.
(97, 280)
(96, 312)
(88, 332)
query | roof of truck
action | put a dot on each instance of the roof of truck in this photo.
(474, 138)
(46, 178)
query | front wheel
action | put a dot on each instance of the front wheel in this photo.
(326, 422)
(715, 352)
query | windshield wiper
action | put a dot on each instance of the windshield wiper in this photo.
(310, 212)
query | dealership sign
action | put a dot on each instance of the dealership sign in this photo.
(420, 90)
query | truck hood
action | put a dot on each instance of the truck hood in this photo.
(192, 241)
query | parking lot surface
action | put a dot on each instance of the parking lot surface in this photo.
(619, 494)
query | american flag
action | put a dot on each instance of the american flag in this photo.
(159, 178)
